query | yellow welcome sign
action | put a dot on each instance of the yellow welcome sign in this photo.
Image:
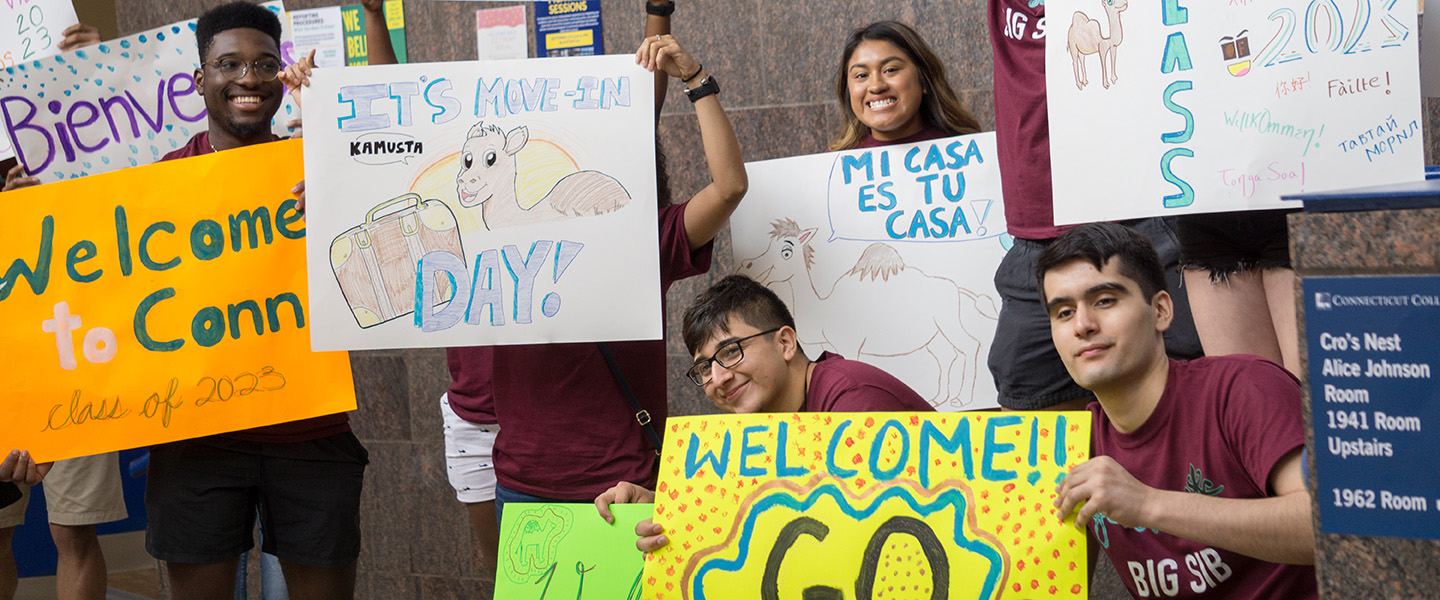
(159, 303)
(880, 505)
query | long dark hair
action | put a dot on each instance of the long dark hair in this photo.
(940, 108)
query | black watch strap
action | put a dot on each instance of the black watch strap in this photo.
(707, 86)
(660, 10)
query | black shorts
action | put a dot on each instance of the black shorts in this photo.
(1234, 242)
(203, 494)
(1028, 372)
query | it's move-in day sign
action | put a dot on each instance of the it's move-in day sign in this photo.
(501, 202)
(1167, 108)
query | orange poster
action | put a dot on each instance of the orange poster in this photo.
(159, 303)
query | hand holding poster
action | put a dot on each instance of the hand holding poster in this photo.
(849, 505)
(465, 204)
(842, 235)
(569, 551)
(1159, 108)
(135, 315)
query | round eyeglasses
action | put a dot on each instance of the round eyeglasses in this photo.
(728, 355)
(266, 69)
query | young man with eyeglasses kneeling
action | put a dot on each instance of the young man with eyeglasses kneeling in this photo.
(748, 359)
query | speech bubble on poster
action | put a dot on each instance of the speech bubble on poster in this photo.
(941, 190)
(135, 314)
(850, 505)
(569, 551)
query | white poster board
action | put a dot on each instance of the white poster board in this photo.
(887, 256)
(32, 29)
(119, 104)
(476, 203)
(1165, 108)
(36, 33)
(321, 30)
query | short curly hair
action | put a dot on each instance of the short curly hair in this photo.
(738, 296)
(235, 15)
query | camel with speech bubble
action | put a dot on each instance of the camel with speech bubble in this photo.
(884, 301)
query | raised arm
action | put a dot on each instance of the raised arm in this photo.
(377, 34)
(1275, 529)
(711, 207)
(657, 25)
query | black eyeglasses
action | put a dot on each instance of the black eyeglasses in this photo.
(267, 69)
(728, 356)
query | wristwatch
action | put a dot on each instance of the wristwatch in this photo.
(707, 86)
(660, 10)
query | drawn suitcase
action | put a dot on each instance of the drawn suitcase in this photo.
(375, 262)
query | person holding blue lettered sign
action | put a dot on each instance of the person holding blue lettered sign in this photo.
(1190, 492)
(1028, 374)
(568, 412)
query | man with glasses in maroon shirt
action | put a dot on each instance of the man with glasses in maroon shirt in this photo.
(748, 359)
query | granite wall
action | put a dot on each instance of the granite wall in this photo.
(1401, 242)
(775, 61)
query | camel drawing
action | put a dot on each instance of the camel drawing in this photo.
(486, 183)
(1085, 38)
(875, 319)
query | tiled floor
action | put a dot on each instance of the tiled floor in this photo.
(135, 585)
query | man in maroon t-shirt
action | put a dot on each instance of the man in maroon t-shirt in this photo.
(1195, 489)
(739, 318)
(748, 359)
(303, 477)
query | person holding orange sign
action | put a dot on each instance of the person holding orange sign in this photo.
(83, 492)
(305, 477)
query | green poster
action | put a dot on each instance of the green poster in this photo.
(555, 551)
(353, 18)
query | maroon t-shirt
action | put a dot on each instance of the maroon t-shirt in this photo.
(1221, 426)
(1022, 124)
(566, 429)
(295, 431)
(840, 385)
(924, 135)
(472, 390)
